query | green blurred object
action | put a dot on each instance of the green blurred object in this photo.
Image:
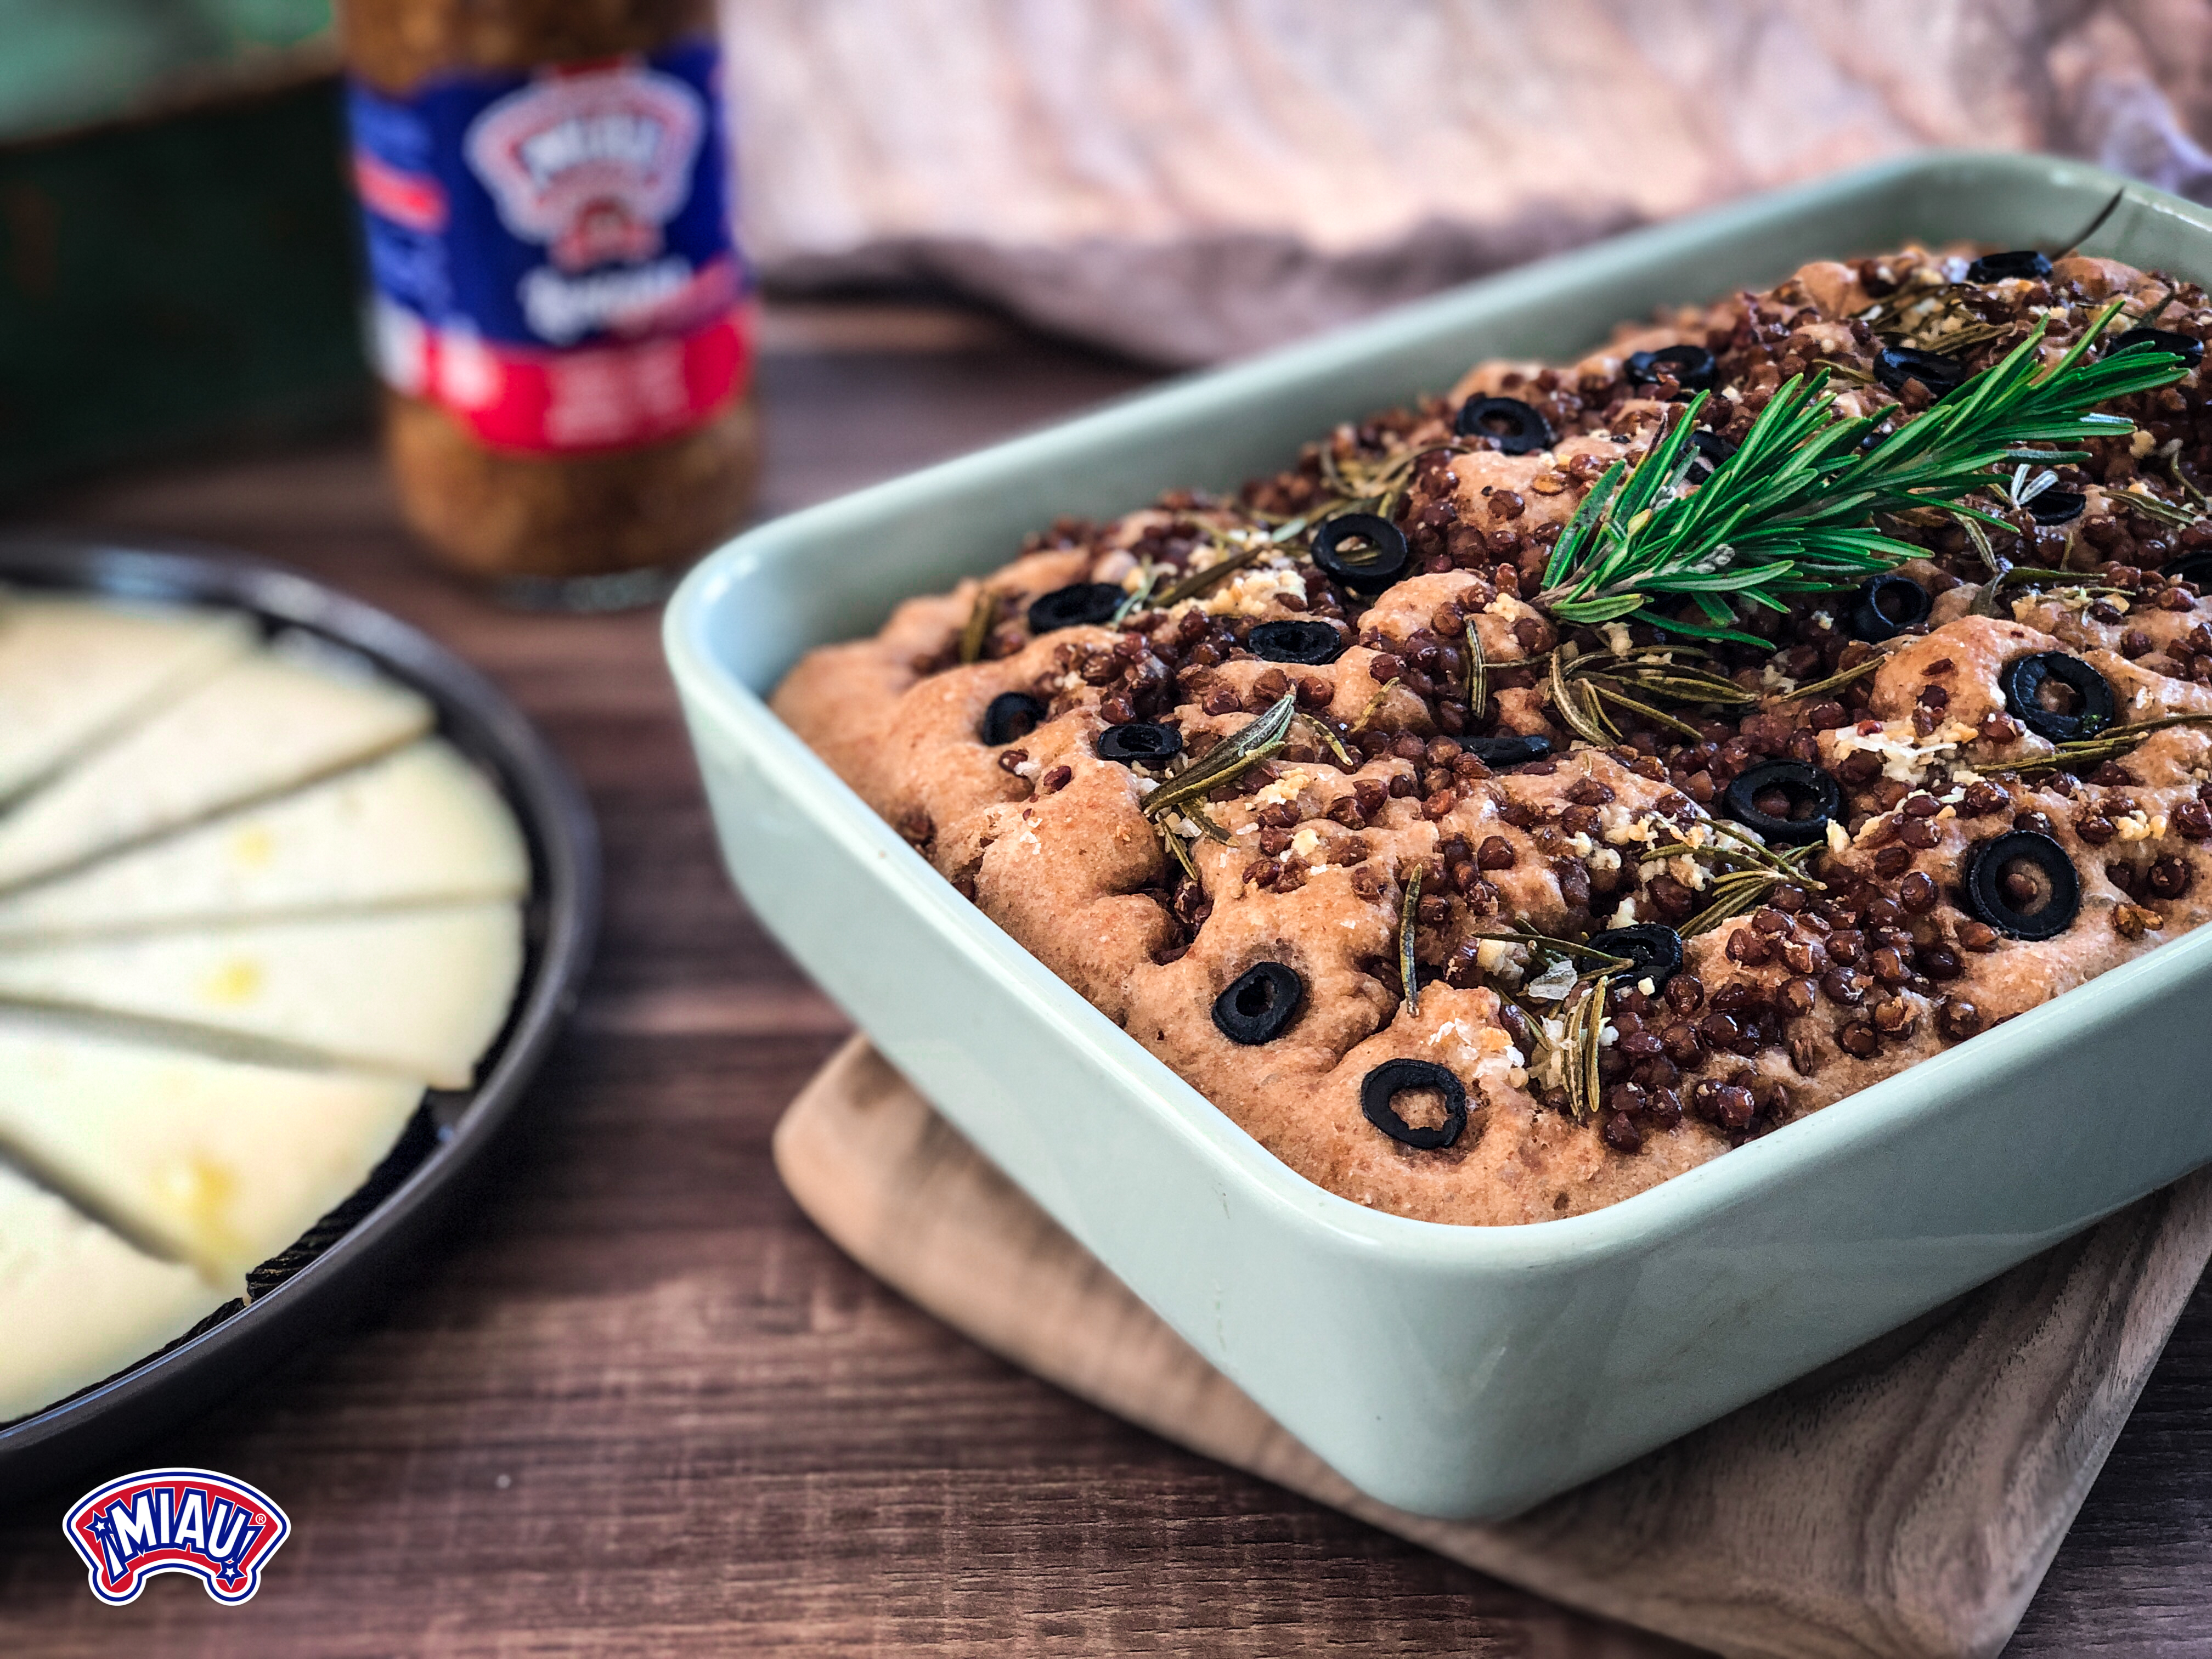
(177, 238)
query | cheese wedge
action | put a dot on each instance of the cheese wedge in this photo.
(417, 827)
(72, 672)
(267, 723)
(219, 1164)
(76, 1302)
(416, 992)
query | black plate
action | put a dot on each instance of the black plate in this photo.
(334, 1268)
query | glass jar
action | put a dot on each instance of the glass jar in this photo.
(559, 313)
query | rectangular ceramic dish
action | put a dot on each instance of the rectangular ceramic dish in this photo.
(1454, 1372)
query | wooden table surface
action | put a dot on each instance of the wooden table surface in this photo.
(637, 1405)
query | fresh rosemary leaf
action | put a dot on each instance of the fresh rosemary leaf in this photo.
(1409, 971)
(1478, 673)
(1231, 760)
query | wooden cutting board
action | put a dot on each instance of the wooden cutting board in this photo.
(1906, 1500)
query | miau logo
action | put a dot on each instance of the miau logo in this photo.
(592, 164)
(193, 1521)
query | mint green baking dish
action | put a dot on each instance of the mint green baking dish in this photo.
(1452, 1372)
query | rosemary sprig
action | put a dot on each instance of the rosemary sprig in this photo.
(1409, 971)
(2110, 745)
(1257, 742)
(1790, 512)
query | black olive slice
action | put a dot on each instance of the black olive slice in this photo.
(1085, 604)
(1140, 743)
(1894, 365)
(2022, 883)
(1515, 427)
(1309, 643)
(1495, 752)
(1812, 794)
(1262, 1002)
(1011, 714)
(2187, 347)
(2056, 506)
(1707, 451)
(1383, 561)
(1654, 948)
(1692, 366)
(2084, 702)
(2025, 261)
(1885, 606)
(1379, 1091)
(2193, 568)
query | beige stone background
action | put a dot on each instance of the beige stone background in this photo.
(1192, 179)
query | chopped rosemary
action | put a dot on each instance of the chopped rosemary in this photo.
(977, 632)
(1478, 673)
(1789, 512)
(1257, 742)
(1409, 971)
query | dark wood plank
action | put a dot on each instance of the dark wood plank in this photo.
(637, 1405)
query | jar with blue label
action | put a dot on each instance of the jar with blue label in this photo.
(557, 308)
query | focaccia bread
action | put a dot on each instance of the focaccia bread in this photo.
(1883, 819)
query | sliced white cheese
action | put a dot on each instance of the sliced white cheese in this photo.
(266, 723)
(76, 1302)
(416, 992)
(221, 1164)
(72, 672)
(416, 827)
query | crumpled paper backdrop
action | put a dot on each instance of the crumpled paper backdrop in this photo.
(1193, 179)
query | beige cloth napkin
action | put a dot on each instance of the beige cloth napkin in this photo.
(1904, 1501)
(1190, 179)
